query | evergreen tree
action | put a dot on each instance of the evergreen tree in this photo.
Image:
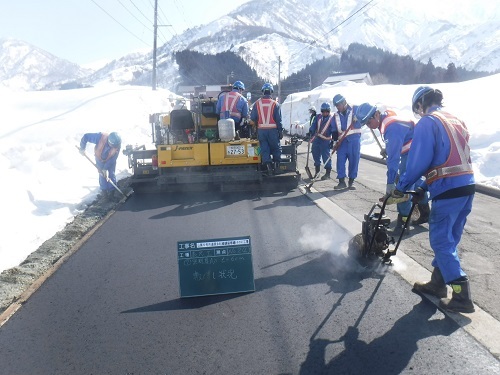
(427, 74)
(451, 73)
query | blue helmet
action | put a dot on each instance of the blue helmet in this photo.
(418, 95)
(114, 139)
(267, 87)
(337, 99)
(239, 85)
(365, 112)
(325, 107)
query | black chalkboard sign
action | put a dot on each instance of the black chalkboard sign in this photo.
(215, 266)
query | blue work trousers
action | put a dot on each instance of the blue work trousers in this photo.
(321, 150)
(404, 207)
(103, 183)
(269, 145)
(349, 150)
(446, 225)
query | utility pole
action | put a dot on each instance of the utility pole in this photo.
(279, 79)
(155, 28)
(230, 75)
(310, 84)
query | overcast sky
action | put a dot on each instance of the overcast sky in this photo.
(89, 31)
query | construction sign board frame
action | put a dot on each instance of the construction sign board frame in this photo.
(215, 266)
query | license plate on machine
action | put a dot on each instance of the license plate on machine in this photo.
(235, 150)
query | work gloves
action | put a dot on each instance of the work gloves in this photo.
(389, 188)
(280, 133)
(383, 153)
(397, 197)
(82, 151)
(332, 144)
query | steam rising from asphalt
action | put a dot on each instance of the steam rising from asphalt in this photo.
(326, 236)
(331, 238)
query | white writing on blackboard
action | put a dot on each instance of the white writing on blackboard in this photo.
(243, 241)
(212, 275)
(212, 260)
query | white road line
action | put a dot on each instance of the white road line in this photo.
(480, 325)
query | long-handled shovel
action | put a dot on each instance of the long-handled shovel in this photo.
(335, 148)
(382, 149)
(107, 178)
(308, 170)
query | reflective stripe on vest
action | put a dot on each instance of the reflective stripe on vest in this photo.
(458, 162)
(229, 104)
(265, 110)
(321, 131)
(391, 118)
(349, 122)
(99, 147)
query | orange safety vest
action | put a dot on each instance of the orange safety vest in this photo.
(229, 104)
(458, 162)
(321, 131)
(265, 111)
(99, 147)
(393, 117)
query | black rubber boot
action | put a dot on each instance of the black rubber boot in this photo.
(436, 287)
(268, 169)
(425, 211)
(277, 169)
(326, 176)
(351, 184)
(341, 185)
(316, 170)
(460, 298)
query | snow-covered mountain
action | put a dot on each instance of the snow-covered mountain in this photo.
(301, 32)
(26, 67)
(297, 33)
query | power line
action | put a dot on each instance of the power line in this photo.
(133, 15)
(312, 44)
(140, 11)
(114, 19)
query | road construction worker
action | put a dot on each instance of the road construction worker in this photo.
(440, 151)
(397, 134)
(350, 147)
(106, 151)
(320, 132)
(233, 105)
(312, 114)
(266, 114)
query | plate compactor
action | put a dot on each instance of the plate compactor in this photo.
(375, 239)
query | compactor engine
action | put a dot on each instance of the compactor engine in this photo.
(376, 239)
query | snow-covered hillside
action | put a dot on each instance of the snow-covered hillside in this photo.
(297, 33)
